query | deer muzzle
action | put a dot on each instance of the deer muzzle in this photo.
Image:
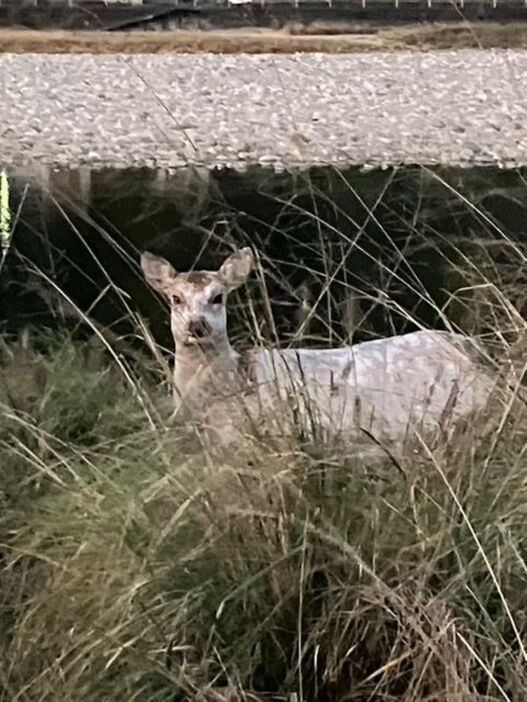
(198, 330)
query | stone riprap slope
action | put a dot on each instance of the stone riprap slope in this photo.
(454, 107)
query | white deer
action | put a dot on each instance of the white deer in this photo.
(380, 388)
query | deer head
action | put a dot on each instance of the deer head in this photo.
(198, 300)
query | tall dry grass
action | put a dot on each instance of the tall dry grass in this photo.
(136, 565)
(302, 37)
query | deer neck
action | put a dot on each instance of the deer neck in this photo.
(201, 374)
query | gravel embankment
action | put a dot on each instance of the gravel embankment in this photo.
(457, 107)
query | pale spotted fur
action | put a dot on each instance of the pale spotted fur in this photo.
(386, 388)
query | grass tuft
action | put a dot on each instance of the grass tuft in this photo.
(135, 568)
(135, 565)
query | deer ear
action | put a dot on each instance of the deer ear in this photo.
(158, 271)
(235, 269)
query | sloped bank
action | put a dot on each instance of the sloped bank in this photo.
(452, 108)
(312, 159)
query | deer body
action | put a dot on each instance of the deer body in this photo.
(382, 388)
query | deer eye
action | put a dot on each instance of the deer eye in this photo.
(217, 299)
(176, 300)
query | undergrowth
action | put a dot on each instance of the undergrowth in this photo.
(136, 567)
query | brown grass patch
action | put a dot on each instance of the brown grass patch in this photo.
(307, 38)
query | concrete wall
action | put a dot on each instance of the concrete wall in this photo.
(82, 14)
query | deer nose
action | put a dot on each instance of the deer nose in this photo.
(199, 328)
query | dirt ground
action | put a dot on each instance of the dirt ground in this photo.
(318, 37)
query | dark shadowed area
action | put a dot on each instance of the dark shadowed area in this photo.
(322, 235)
